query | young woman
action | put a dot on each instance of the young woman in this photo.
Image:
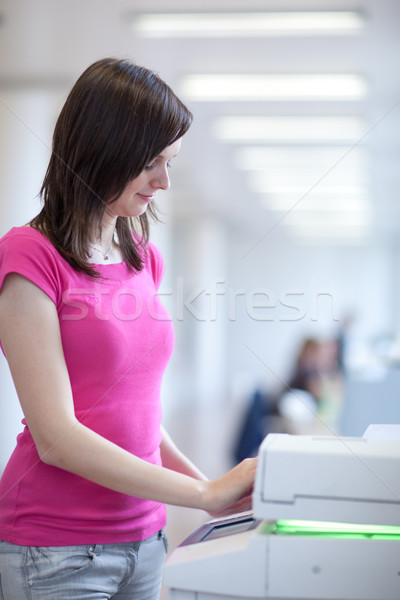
(82, 499)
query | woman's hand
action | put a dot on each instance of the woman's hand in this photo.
(231, 493)
(243, 505)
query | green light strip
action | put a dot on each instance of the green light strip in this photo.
(331, 530)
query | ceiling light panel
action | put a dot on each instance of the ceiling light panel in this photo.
(307, 178)
(247, 87)
(334, 220)
(307, 130)
(329, 228)
(310, 235)
(261, 158)
(337, 181)
(189, 25)
(327, 203)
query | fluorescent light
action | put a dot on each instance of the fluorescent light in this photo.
(224, 87)
(265, 158)
(327, 235)
(316, 202)
(289, 129)
(342, 180)
(292, 188)
(184, 25)
(307, 178)
(329, 229)
(322, 230)
(297, 191)
(335, 220)
(336, 226)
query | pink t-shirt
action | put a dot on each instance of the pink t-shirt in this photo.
(117, 340)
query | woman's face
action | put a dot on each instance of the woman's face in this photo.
(139, 192)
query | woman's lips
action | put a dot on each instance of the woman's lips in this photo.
(146, 198)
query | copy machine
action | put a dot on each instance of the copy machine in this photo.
(325, 526)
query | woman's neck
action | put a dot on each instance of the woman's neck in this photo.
(104, 247)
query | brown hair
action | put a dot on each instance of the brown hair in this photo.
(117, 118)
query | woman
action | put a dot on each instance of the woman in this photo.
(87, 340)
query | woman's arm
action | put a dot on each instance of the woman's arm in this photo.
(30, 334)
(173, 458)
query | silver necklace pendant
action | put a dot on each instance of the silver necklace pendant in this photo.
(105, 254)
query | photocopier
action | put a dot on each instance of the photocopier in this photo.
(325, 525)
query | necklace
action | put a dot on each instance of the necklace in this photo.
(105, 254)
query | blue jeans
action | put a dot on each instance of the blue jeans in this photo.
(123, 571)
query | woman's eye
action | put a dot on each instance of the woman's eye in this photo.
(152, 165)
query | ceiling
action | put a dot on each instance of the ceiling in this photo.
(338, 189)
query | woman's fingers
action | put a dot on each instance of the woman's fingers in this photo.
(232, 491)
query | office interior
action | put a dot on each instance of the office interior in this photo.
(282, 221)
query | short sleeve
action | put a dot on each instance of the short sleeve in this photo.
(28, 253)
(156, 264)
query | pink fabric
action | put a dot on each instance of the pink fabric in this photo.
(117, 340)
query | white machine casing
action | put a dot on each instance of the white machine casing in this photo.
(353, 480)
(347, 480)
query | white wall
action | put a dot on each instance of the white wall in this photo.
(26, 124)
(268, 300)
(308, 290)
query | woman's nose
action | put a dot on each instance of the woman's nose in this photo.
(161, 180)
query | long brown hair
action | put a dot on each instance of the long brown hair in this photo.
(117, 118)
